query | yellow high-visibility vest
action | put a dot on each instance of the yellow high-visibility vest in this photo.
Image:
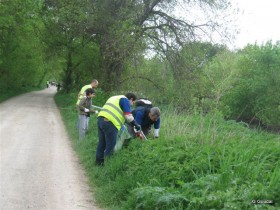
(82, 93)
(113, 112)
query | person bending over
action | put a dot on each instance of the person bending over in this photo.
(110, 120)
(146, 117)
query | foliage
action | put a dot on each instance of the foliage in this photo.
(21, 52)
(208, 163)
(65, 35)
(243, 85)
(134, 27)
(255, 91)
(78, 41)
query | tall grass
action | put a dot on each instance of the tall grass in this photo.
(199, 162)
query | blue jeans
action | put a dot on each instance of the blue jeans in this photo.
(107, 135)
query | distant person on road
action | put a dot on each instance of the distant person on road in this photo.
(58, 87)
(84, 112)
(110, 120)
(48, 83)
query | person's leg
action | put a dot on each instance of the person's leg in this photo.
(101, 142)
(87, 123)
(82, 126)
(110, 138)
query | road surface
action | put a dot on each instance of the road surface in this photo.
(38, 168)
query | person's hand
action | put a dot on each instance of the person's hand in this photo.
(137, 127)
(96, 112)
(86, 110)
(156, 135)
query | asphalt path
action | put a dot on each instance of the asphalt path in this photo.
(38, 167)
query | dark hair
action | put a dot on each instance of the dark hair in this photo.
(89, 91)
(131, 96)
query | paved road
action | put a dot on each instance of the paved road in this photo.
(38, 168)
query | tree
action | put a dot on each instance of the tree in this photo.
(65, 23)
(125, 27)
(21, 52)
(255, 94)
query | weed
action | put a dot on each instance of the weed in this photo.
(198, 163)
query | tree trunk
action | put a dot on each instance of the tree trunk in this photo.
(113, 64)
(68, 82)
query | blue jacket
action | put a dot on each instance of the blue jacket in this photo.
(141, 116)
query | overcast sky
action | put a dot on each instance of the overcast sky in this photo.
(258, 20)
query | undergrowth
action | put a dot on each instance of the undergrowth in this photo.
(199, 162)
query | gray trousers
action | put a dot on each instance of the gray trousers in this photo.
(83, 125)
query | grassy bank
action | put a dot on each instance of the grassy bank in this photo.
(197, 163)
(9, 93)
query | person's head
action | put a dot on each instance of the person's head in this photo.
(131, 97)
(154, 113)
(94, 83)
(90, 92)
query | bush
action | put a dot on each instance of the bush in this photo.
(197, 163)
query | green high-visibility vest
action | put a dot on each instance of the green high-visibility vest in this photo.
(81, 93)
(113, 112)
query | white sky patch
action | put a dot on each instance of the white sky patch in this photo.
(258, 21)
(224, 21)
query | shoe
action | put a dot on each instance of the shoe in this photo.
(99, 162)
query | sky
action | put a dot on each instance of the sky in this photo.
(258, 21)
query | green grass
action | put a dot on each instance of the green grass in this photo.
(9, 93)
(199, 162)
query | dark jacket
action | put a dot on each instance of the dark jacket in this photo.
(145, 120)
(85, 102)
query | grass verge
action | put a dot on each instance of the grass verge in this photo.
(199, 162)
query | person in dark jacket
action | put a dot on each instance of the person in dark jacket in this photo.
(146, 117)
(84, 109)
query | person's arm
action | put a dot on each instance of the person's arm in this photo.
(91, 110)
(139, 117)
(156, 127)
(125, 106)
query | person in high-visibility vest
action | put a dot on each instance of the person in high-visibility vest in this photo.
(110, 120)
(81, 94)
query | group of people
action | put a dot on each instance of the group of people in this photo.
(52, 83)
(112, 116)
